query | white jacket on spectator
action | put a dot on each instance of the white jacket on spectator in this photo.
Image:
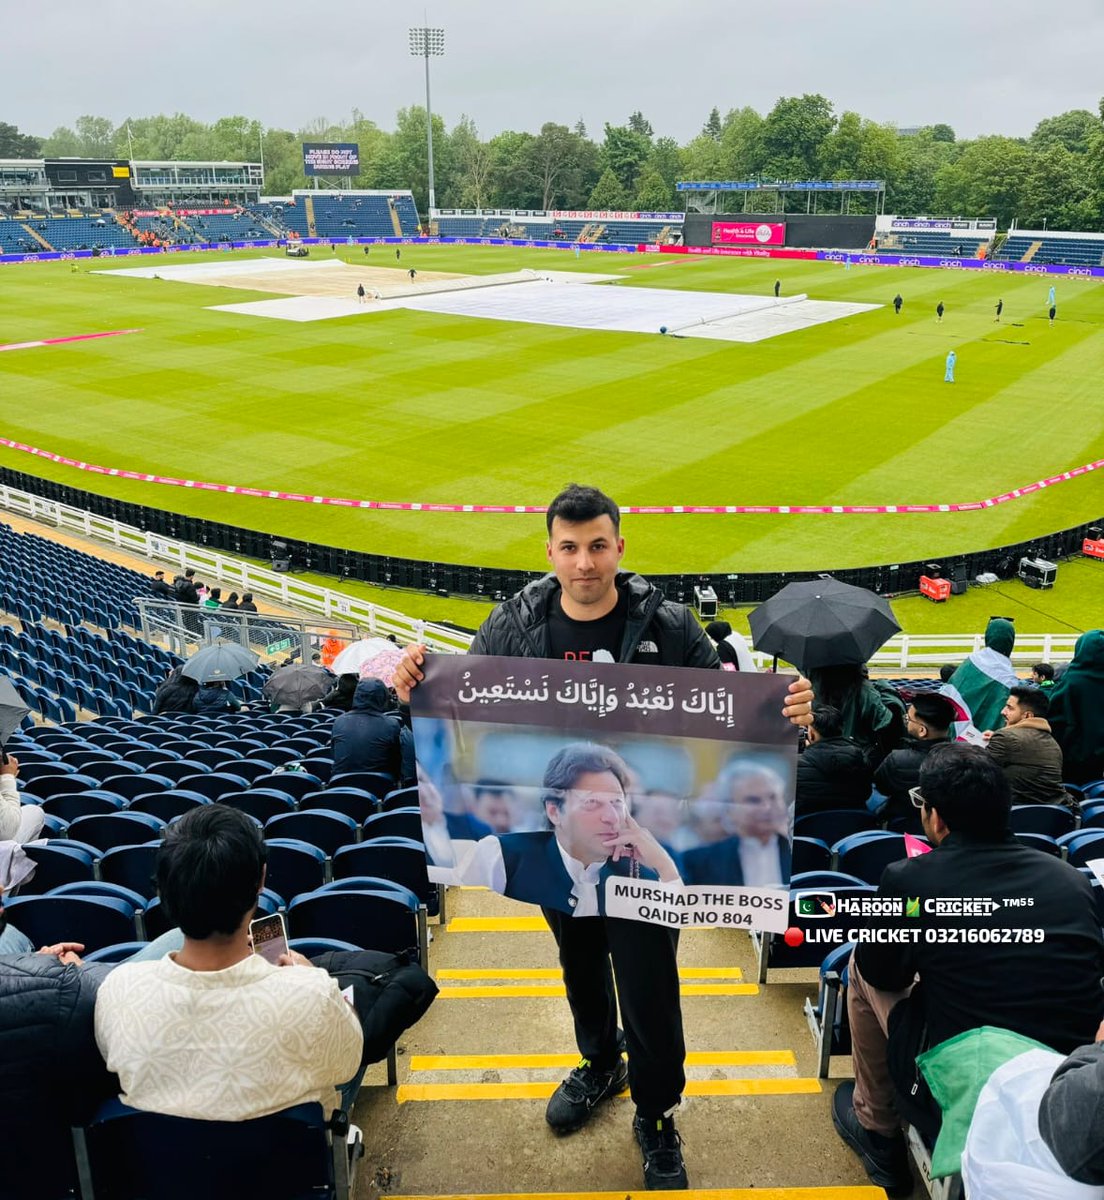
(226, 1045)
(18, 822)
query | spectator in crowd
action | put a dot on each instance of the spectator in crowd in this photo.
(372, 735)
(1042, 675)
(215, 1032)
(980, 686)
(247, 605)
(872, 716)
(231, 602)
(587, 606)
(216, 698)
(341, 694)
(213, 598)
(929, 722)
(176, 694)
(732, 647)
(1077, 710)
(1027, 751)
(186, 589)
(946, 671)
(160, 588)
(18, 822)
(832, 772)
(1071, 1113)
(1046, 988)
(756, 852)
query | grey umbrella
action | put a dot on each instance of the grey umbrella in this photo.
(822, 623)
(298, 684)
(12, 709)
(215, 664)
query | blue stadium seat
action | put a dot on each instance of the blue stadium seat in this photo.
(324, 828)
(214, 784)
(83, 804)
(369, 920)
(400, 798)
(1083, 845)
(399, 822)
(133, 867)
(134, 785)
(375, 782)
(809, 854)
(1039, 841)
(56, 863)
(399, 859)
(1051, 819)
(117, 829)
(97, 921)
(354, 802)
(834, 824)
(868, 854)
(290, 1155)
(118, 953)
(168, 805)
(261, 803)
(296, 784)
(294, 866)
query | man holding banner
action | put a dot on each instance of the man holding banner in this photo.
(589, 610)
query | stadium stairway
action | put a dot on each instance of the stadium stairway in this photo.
(37, 237)
(312, 227)
(396, 224)
(467, 1117)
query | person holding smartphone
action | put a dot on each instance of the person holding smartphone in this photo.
(216, 1032)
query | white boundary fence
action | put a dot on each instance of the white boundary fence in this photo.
(915, 653)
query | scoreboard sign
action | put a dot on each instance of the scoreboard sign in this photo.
(331, 158)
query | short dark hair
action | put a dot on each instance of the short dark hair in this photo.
(968, 788)
(209, 870)
(1032, 698)
(946, 671)
(247, 597)
(827, 721)
(156, 574)
(579, 758)
(189, 572)
(1044, 670)
(577, 503)
(718, 630)
(934, 710)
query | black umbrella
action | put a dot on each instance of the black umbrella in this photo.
(822, 623)
(215, 664)
(12, 709)
(298, 684)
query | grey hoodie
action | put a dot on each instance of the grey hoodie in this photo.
(1071, 1115)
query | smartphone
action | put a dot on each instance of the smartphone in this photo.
(269, 936)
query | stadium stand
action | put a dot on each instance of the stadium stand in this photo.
(937, 242)
(1079, 252)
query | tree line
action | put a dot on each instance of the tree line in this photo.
(1055, 176)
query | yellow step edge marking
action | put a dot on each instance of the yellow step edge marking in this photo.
(497, 925)
(515, 1062)
(542, 1090)
(799, 1193)
(510, 991)
(733, 973)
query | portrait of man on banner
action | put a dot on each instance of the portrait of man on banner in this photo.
(609, 790)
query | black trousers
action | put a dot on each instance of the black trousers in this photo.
(645, 966)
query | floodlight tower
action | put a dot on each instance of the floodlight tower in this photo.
(424, 42)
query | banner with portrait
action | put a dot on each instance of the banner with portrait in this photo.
(657, 794)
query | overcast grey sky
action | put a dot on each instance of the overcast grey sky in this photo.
(982, 66)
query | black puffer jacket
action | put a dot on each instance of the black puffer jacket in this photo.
(899, 771)
(51, 1072)
(832, 773)
(372, 737)
(657, 632)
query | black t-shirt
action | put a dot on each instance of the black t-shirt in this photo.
(587, 641)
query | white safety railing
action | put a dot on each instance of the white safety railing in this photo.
(209, 564)
(918, 653)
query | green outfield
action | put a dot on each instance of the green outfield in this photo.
(406, 406)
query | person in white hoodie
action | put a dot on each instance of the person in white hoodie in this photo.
(18, 822)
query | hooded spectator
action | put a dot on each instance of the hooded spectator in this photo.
(871, 716)
(176, 694)
(1077, 710)
(980, 686)
(372, 736)
(216, 698)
